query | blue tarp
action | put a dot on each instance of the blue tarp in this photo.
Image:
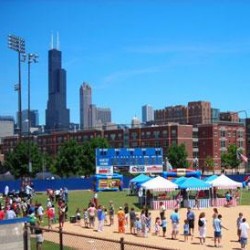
(193, 183)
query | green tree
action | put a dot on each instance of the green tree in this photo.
(229, 159)
(89, 152)
(67, 162)
(17, 161)
(209, 163)
(177, 156)
(77, 159)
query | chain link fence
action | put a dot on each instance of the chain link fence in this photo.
(61, 240)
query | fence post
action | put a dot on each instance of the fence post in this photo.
(61, 238)
(122, 243)
(25, 237)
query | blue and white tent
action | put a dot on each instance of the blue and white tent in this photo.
(193, 183)
(140, 178)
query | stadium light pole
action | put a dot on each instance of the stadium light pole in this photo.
(17, 44)
(32, 58)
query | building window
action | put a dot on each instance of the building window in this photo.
(156, 134)
(222, 133)
(173, 132)
(165, 133)
(223, 144)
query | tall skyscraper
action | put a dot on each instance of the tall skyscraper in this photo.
(34, 119)
(147, 113)
(85, 106)
(57, 114)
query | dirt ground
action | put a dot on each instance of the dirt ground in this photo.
(229, 238)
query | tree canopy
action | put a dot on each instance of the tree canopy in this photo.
(177, 156)
(229, 159)
(17, 161)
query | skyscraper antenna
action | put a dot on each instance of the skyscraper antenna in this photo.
(57, 41)
(52, 41)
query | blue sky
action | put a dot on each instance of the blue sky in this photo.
(132, 53)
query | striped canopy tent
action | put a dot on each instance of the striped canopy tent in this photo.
(224, 182)
(193, 183)
(159, 184)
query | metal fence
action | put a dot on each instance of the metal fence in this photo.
(61, 240)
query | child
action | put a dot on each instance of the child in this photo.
(78, 215)
(86, 217)
(138, 226)
(157, 225)
(149, 222)
(50, 215)
(105, 216)
(164, 226)
(186, 230)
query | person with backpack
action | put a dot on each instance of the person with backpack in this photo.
(202, 228)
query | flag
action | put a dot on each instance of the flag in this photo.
(243, 158)
(169, 166)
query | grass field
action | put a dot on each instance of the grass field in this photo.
(47, 245)
(80, 199)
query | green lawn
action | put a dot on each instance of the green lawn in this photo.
(47, 245)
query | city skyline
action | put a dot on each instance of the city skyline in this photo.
(163, 54)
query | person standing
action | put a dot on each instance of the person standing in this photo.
(202, 228)
(95, 199)
(121, 220)
(39, 236)
(143, 219)
(2, 213)
(217, 230)
(164, 226)
(238, 222)
(92, 212)
(197, 201)
(175, 219)
(100, 217)
(111, 213)
(191, 221)
(244, 228)
(162, 210)
(126, 211)
(62, 211)
(6, 191)
(132, 218)
(186, 230)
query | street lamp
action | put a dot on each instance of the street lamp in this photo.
(17, 44)
(31, 58)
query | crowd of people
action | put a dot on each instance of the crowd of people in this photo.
(96, 216)
(16, 204)
(142, 224)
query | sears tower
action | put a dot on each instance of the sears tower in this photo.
(57, 114)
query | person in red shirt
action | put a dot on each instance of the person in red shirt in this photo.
(2, 214)
(50, 215)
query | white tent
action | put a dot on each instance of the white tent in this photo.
(224, 182)
(159, 184)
